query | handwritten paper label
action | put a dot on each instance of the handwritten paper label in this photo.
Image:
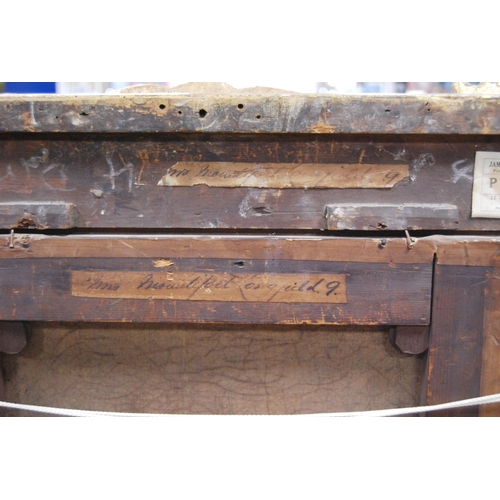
(486, 190)
(283, 175)
(222, 287)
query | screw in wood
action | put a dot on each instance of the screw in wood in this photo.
(409, 241)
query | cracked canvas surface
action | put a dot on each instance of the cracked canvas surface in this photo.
(211, 370)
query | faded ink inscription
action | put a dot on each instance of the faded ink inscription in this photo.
(283, 175)
(225, 287)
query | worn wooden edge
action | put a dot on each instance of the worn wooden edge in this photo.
(375, 250)
(449, 250)
(370, 216)
(468, 250)
(238, 113)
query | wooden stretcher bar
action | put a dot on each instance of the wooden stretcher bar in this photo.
(216, 280)
(260, 209)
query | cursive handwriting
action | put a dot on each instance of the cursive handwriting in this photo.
(228, 287)
(283, 175)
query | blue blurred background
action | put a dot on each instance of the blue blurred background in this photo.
(338, 87)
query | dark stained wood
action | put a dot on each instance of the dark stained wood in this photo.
(13, 336)
(389, 294)
(2, 387)
(412, 339)
(96, 163)
(490, 376)
(456, 338)
(112, 180)
(320, 114)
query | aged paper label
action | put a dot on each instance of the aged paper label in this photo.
(486, 190)
(283, 175)
(222, 287)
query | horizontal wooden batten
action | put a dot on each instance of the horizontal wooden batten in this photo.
(370, 250)
(112, 181)
(292, 113)
(260, 285)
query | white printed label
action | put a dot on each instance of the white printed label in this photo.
(486, 191)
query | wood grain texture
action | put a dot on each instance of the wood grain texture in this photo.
(456, 338)
(490, 376)
(3, 411)
(112, 179)
(210, 369)
(468, 251)
(94, 162)
(391, 294)
(320, 114)
(244, 247)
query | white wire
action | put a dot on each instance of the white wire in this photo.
(493, 398)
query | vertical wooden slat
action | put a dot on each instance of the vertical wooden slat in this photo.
(490, 377)
(456, 338)
(2, 390)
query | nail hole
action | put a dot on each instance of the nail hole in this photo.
(381, 225)
(82, 114)
(179, 112)
(257, 116)
(202, 113)
(162, 106)
(239, 263)
(240, 106)
(387, 110)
